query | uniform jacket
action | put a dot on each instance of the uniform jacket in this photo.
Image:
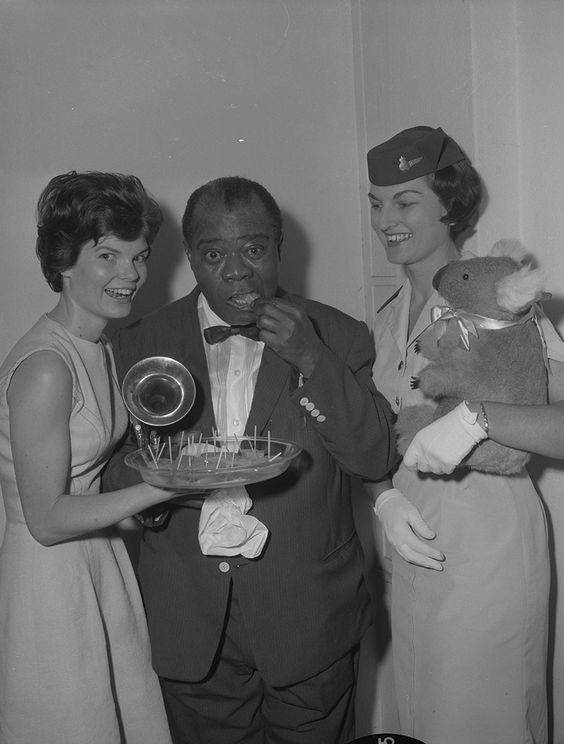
(397, 357)
(304, 599)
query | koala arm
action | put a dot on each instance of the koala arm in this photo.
(437, 339)
(441, 379)
(447, 373)
(428, 345)
(465, 374)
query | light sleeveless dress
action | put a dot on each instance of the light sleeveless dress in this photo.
(75, 663)
(469, 643)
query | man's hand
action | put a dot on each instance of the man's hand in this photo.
(406, 530)
(442, 445)
(288, 331)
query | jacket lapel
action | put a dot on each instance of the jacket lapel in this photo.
(398, 317)
(191, 353)
(271, 383)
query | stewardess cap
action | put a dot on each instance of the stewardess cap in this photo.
(410, 154)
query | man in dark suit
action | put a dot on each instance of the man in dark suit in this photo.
(262, 649)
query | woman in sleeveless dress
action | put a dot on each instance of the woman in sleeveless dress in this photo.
(470, 565)
(75, 665)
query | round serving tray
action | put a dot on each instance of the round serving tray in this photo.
(212, 462)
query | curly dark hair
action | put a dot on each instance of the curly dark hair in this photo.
(229, 191)
(459, 188)
(75, 208)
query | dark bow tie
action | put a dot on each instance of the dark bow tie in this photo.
(215, 334)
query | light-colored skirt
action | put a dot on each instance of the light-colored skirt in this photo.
(470, 643)
(75, 663)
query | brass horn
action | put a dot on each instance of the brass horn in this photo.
(158, 391)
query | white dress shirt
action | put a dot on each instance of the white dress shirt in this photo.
(233, 367)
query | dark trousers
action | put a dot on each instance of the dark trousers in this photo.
(234, 705)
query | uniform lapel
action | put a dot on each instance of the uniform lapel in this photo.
(398, 317)
(424, 319)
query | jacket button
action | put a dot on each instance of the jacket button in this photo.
(224, 567)
(304, 401)
(321, 418)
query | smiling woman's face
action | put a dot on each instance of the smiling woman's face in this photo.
(106, 276)
(406, 218)
(234, 257)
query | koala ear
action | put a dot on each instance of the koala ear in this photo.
(521, 289)
(511, 248)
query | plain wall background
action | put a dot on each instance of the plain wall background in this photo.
(179, 92)
(290, 93)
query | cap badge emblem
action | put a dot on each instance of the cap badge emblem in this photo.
(405, 164)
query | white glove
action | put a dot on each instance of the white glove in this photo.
(440, 446)
(406, 530)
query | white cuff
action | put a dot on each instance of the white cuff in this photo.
(383, 498)
(469, 420)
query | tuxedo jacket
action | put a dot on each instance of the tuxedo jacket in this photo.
(304, 600)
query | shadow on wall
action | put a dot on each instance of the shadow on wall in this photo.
(168, 257)
(295, 257)
(554, 309)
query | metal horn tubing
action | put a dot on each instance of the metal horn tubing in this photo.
(158, 391)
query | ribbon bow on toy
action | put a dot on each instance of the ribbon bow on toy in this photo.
(468, 323)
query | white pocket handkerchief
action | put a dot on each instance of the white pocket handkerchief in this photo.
(226, 528)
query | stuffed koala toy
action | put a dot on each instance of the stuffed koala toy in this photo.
(486, 345)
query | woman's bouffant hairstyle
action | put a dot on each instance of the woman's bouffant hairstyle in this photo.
(75, 208)
(230, 192)
(459, 188)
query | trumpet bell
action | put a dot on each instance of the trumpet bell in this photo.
(158, 391)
